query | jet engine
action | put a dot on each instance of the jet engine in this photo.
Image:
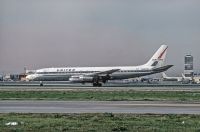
(81, 79)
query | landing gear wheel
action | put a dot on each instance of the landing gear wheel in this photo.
(97, 84)
(94, 84)
(104, 81)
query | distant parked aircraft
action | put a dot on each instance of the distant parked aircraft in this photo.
(166, 78)
(179, 79)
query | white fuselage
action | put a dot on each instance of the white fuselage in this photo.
(64, 73)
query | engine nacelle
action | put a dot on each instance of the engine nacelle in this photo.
(81, 79)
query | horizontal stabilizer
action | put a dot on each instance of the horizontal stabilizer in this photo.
(163, 68)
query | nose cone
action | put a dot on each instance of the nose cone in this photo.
(30, 77)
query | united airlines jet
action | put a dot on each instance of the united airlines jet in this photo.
(99, 75)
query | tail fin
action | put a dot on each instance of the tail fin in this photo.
(164, 75)
(159, 57)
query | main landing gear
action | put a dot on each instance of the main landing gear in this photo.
(97, 84)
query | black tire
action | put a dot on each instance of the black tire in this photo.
(104, 80)
(94, 84)
(97, 84)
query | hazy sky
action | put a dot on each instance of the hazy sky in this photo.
(54, 33)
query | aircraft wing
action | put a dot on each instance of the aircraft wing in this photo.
(102, 73)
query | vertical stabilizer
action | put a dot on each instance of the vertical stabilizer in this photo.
(158, 58)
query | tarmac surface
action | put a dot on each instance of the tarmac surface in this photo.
(68, 88)
(136, 107)
(68, 84)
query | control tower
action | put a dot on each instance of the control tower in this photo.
(188, 70)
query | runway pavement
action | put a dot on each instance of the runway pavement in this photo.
(61, 84)
(137, 107)
(65, 86)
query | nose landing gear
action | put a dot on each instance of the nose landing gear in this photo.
(41, 83)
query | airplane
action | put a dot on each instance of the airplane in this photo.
(166, 78)
(178, 79)
(99, 75)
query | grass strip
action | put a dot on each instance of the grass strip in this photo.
(101, 95)
(105, 122)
